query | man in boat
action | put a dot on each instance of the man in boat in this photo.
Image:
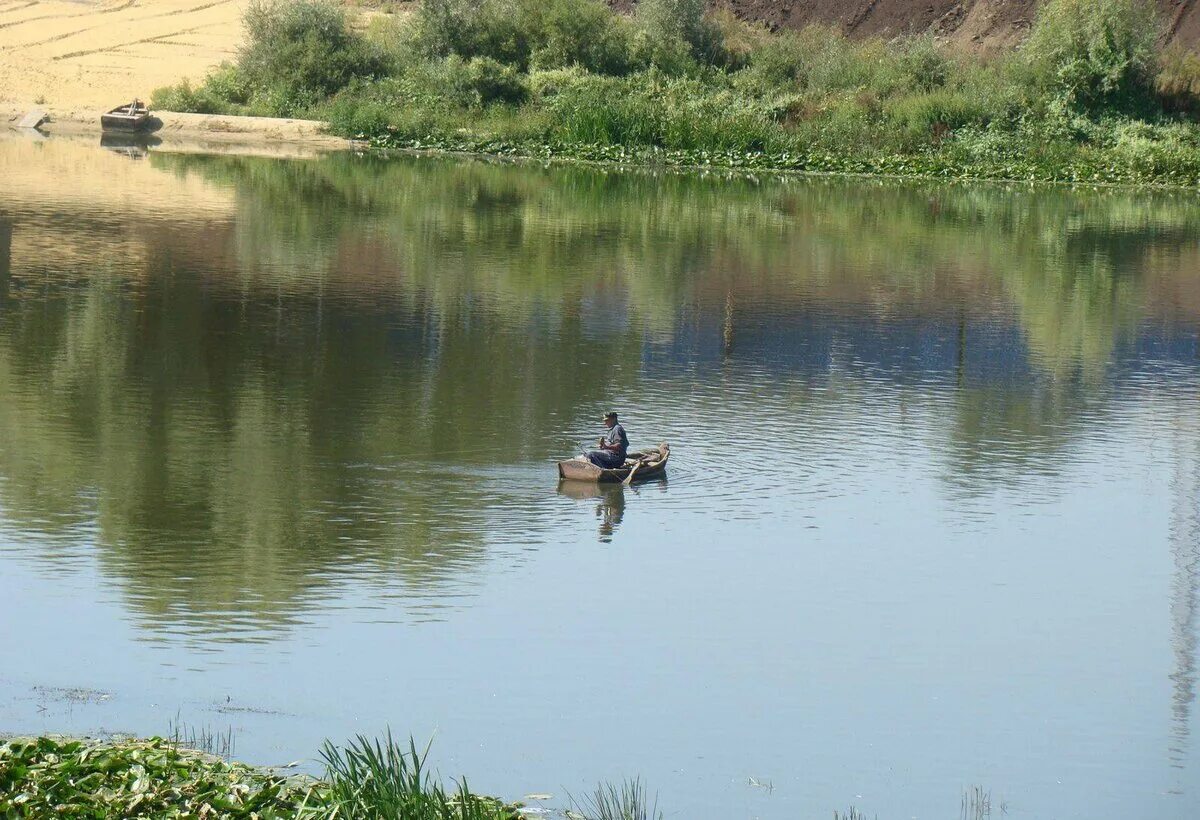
(613, 445)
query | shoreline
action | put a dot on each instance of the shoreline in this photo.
(270, 136)
(294, 138)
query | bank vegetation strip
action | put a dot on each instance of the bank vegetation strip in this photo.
(45, 776)
(1088, 97)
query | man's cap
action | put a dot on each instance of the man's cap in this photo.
(611, 414)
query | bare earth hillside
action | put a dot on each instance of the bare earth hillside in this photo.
(979, 25)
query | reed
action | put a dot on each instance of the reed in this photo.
(378, 779)
(851, 814)
(202, 739)
(610, 801)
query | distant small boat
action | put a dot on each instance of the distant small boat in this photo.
(132, 116)
(649, 463)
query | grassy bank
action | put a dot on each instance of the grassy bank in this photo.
(1089, 97)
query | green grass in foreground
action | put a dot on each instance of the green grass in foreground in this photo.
(366, 780)
(41, 777)
(1089, 97)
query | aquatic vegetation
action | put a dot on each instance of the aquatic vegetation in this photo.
(977, 804)
(371, 779)
(202, 739)
(851, 814)
(162, 779)
(610, 801)
(147, 778)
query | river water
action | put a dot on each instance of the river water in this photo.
(277, 445)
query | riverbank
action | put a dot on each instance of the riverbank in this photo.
(1088, 98)
(267, 136)
(671, 86)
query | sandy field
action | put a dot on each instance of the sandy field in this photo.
(78, 58)
(95, 54)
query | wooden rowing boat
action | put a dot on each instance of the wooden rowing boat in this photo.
(132, 116)
(649, 463)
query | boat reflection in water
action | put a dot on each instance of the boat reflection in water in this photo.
(610, 499)
(610, 506)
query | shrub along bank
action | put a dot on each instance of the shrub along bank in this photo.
(1087, 98)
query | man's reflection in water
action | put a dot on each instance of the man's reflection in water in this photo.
(610, 503)
(610, 510)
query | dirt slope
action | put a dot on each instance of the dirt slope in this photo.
(978, 25)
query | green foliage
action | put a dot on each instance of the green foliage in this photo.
(609, 801)
(368, 780)
(377, 780)
(551, 34)
(497, 29)
(359, 116)
(652, 109)
(672, 33)
(583, 33)
(225, 91)
(493, 82)
(672, 84)
(732, 41)
(1094, 54)
(674, 20)
(821, 60)
(932, 116)
(44, 777)
(298, 52)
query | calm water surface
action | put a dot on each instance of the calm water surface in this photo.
(276, 457)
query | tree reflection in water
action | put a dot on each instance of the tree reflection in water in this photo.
(315, 368)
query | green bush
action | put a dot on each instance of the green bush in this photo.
(182, 97)
(298, 52)
(497, 29)
(225, 91)
(778, 64)
(675, 36)
(821, 60)
(584, 33)
(1094, 54)
(550, 34)
(919, 66)
(733, 41)
(924, 119)
(453, 82)
(494, 82)
(359, 116)
(650, 109)
(674, 20)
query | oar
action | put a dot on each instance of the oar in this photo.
(629, 477)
